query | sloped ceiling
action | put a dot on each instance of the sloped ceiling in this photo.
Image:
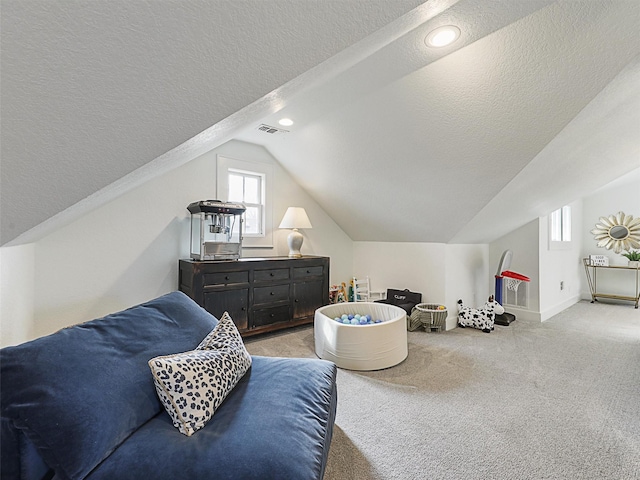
(465, 148)
(536, 105)
(93, 90)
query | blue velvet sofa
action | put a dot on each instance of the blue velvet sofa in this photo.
(81, 403)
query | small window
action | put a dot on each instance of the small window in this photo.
(250, 183)
(560, 228)
(248, 188)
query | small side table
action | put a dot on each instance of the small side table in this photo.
(592, 278)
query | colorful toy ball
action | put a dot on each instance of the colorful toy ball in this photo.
(357, 319)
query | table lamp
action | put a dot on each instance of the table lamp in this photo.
(295, 218)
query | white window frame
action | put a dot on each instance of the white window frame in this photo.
(262, 201)
(226, 165)
(560, 228)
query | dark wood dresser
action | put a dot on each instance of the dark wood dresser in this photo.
(260, 294)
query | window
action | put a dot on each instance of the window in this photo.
(561, 225)
(249, 183)
(248, 188)
(560, 228)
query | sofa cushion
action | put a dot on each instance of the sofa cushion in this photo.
(79, 393)
(192, 385)
(276, 423)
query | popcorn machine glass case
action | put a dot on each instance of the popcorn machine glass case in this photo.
(216, 230)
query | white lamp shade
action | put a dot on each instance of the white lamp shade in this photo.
(295, 217)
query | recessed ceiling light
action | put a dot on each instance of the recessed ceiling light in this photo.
(442, 36)
(285, 122)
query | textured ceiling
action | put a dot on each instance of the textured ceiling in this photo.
(92, 90)
(396, 141)
(513, 123)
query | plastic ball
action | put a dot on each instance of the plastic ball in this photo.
(344, 317)
(378, 320)
(346, 321)
(354, 321)
(357, 316)
(350, 317)
(338, 319)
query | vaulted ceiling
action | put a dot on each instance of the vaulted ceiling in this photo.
(535, 105)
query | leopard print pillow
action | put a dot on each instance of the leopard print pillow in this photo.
(192, 385)
(225, 334)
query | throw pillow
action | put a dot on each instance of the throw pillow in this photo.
(225, 334)
(192, 385)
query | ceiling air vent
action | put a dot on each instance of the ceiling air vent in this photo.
(271, 130)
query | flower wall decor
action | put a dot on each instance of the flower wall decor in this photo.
(618, 232)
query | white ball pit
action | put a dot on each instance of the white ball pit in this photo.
(361, 347)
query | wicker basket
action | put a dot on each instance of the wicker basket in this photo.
(427, 316)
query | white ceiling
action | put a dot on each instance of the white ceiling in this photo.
(536, 105)
(93, 90)
(470, 146)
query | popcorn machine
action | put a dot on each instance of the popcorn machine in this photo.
(214, 235)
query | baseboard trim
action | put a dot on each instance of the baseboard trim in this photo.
(527, 315)
(522, 314)
(547, 314)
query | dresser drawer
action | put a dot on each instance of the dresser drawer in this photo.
(304, 272)
(275, 274)
(267, 316)
(235, 302)
(225, 278)
(271, 294)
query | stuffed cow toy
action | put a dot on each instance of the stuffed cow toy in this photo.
(483, 318)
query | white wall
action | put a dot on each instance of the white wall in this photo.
(127, 251)
(547, 267)
(620, 195)
(417, 266)
(468, 277)
(560, 265)
(16, 294)
(326, 238)
(523, 242)
(442, 273)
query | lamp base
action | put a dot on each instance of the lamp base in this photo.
(294, 240)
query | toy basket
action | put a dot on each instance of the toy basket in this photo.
(427, 316)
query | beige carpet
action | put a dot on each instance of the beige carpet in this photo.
(557, 400)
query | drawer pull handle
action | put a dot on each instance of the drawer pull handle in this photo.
(226, 277)
(243, 309)
(272, 293)
(271, 274)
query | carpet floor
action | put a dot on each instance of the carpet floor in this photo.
(552, 400)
